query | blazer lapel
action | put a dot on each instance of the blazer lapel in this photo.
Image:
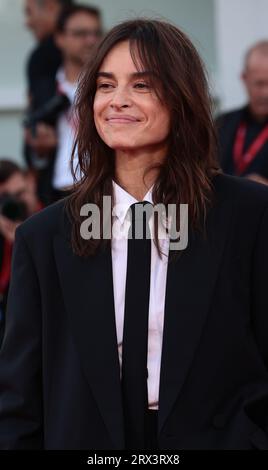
(190, 283)
(87, 288)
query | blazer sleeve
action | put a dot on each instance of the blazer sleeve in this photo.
(20, 357)
(260, 288)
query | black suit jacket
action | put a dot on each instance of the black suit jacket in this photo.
(59, 367)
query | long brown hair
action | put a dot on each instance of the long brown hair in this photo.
(185, 175)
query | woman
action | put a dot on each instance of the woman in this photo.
(124, 343)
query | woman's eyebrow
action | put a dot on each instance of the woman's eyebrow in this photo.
(132, 75)
(105, 74)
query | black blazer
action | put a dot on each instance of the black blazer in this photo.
(59, 367)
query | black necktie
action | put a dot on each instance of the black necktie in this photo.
(135, 333)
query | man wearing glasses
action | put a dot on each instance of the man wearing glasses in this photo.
(77, 31)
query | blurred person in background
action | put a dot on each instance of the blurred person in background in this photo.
(18, 200)
(77, 32)
(243, 133)
(40, 18)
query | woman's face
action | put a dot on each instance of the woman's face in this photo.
(127, 112)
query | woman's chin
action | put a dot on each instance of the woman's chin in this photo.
(122, 146)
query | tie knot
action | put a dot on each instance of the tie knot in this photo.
(140, 213)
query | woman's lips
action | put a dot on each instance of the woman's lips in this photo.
(122, 120)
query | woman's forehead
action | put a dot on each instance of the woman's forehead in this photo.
(120, 57)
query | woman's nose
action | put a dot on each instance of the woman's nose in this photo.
(120, 99)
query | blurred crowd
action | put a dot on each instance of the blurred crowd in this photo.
(66, 34)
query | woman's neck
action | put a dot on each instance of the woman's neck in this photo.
(130, 168)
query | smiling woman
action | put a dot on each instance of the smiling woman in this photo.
(145, 118)
(114, 343)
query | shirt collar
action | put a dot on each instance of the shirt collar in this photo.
(123, 200)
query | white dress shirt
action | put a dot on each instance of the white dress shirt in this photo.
(122, 202)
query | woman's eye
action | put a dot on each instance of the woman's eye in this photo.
(104, 85)
(142, 85)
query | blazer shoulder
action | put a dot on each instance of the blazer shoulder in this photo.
(241, 190)
(45, 223)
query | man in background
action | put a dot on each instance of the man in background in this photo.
(77, 32)
(18, 200)
(79, 29)
(243, 133)
(41, 17)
